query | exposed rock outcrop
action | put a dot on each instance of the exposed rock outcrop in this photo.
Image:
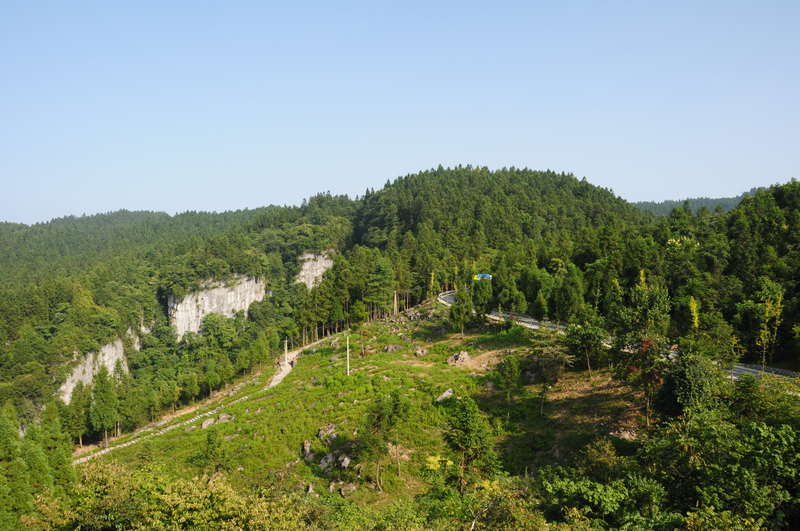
(216, 297)
(326, 430)
(313, 267)
(444, 396)
(458, 359)
(84, 372)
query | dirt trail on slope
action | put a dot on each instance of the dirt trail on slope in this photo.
(140, 433)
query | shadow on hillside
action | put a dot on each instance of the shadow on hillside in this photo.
(575, 412)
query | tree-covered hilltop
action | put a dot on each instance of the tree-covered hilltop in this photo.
(663, 208)
(74, 284)
(648, 301)
(71, 244)
(558, 247)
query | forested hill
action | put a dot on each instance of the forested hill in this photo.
(490, 208)
(75, 283)
(664, 208)
(72, 243)
(557, 247)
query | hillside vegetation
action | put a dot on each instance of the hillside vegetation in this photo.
(664, 208)
(589, 446)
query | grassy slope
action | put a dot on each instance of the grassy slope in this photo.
(260, 443)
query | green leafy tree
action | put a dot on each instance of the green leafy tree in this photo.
(212, 452)
(260, 349)
(381, 286)
(540, 307)
(399, 413)
(79, 411)
(15, 487)
(754, 466)
(461, 310)
(640, 346)
(585, 339)
(105, 407)
(337, 313)
(211, 381)
(32, 451)
(374, 434)
(554, 358)
(690, 385)
(509, 374)
(243, 361)
(58, 448)
(470, 437)
(357, 316)
(191, 386)
(482, 297)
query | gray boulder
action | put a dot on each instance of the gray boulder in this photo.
(458, 359)
(326, 430)
(308, 455)
(444, 396)
(343, 461)
(326, 461)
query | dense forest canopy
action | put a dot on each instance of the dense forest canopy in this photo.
(711, 285)
(558, 247)
(663, 208)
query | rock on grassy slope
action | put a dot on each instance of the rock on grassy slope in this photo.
(304, 430)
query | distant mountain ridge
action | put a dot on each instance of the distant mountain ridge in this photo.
(665, 207)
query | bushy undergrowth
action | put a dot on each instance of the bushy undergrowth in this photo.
(562, 450)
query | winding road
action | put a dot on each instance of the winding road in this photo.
(448, 298)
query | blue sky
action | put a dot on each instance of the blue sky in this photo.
(173, 106)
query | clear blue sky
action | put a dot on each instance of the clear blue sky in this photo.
(176, 106)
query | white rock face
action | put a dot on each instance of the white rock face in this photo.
(187, 314)
(84, 372)
(313, 268)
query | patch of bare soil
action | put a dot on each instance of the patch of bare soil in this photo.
(602, 404)
(415, 363)
(487, 359)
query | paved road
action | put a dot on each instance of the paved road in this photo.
(448, 298)
(739, 369)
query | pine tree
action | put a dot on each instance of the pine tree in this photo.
(78, 412)
(105, 409)
(192, 388)
(381, 286)
(58, 448)
(15, 490)
(461, 310)
(32, 451)
(540, 307)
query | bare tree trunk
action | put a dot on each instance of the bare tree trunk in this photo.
(587, 363)
(397, 453)
(461, 483)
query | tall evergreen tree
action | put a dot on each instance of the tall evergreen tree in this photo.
(105, 407)
(79, 411)
(15, 488)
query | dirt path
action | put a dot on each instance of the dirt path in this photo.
(141, 433)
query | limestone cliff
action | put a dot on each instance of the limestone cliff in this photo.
(89, 365)
(313, 267)
(216, 297)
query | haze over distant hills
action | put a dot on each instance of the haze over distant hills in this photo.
(663, 208)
